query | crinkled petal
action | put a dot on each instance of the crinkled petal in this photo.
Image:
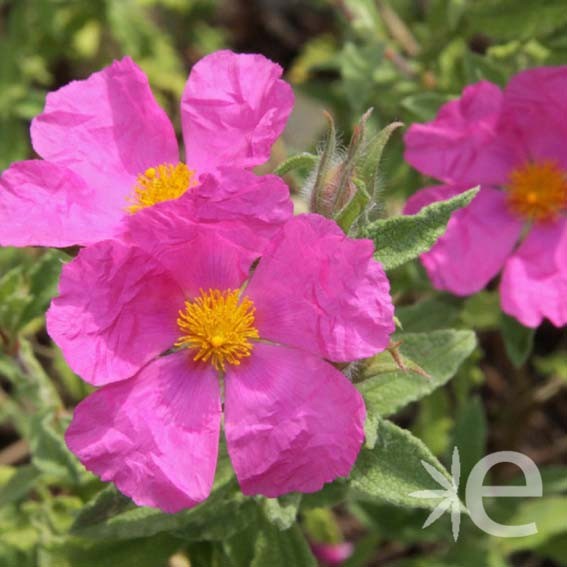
(534, 283)
(45, 204)
(117, 309)
(108, 129)
(292, 421)
(535, 110)
(463, 144)
(476, 244)
(262, 201)
(318, 290)
(233, 109)
(156, 435)
(199, 255)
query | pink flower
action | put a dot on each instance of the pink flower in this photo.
(332, 553)
(109, 150)
(156, 320)
(512, 143)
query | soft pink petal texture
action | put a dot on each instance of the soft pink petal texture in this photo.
(476, 244)
(332, 553)
(534, 283)
(292, 421)
(318, 290)
(199, 255)
(108, 129)
(251, 208)
(262, 201)
(535, 110)
(117, 309)
(156, 435)
(44, 204)
(233, 109)
(463, 144)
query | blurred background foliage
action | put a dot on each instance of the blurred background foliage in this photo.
(403, 58)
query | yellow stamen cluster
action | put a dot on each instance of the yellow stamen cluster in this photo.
(164, 182)
(219, 325)
(537, 191)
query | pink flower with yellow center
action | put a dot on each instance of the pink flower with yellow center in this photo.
(110, 151)
(512, 143)
(185, 325)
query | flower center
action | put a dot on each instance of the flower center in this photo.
(538, 191)
(161, 183)
(219, 325)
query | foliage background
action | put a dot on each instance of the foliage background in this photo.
(404, 58)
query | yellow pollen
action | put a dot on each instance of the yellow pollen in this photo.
(537, 191)
(164, 182)
(219, 326)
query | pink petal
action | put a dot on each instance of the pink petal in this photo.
(463, 144)
(44, 204)
(319, 290)
(332, 553)
(233, 109)
(263, 202)
(199, 255)
(156, 435)
(535, 109)
(117, 309)
(108, 129)
(293, 422)
(534, 283)
(476, 244)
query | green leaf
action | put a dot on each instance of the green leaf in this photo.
(275, 548)
(321, 526)
(20, 483)
(141, 552)
(49, 452)
(434, 422)
(350, 213)
(369, 165)
(393, 469)
(509, 19)
(439, 312)
(282, 511)
(303, 160)
(330, 495)
(113, 516)
(470, 437)
(25, 292)
(482, 311)
(439, 353)
(323, 167)
(518, 339)
(42, 281)
(357, 65)
(549, 515)
(424, 106)
(14, 298)
(401, 239)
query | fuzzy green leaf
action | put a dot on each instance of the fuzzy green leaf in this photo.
(354, 208)
(282, 511)
(470, 436)
(20, 483)
(438, 353)
(275, 548)
(401, 239)
(393, 469)
(304, 159)
(518, 339)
